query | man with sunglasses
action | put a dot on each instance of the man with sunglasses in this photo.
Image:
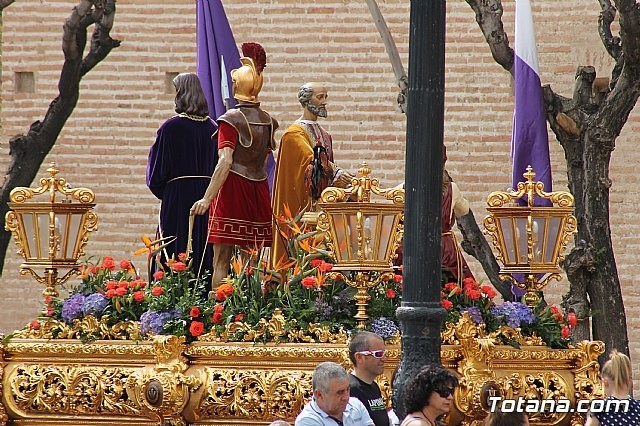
(368, 354)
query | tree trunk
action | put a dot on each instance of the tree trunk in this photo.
(29, 151)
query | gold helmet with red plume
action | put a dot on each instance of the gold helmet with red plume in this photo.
(247, 80)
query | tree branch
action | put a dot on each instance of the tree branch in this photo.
(5, 3)
(29, 151)
(629, 13)
(489, 18)
(611, 43)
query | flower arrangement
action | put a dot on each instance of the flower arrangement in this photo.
(548, 323)
(300, 294)
(171, 303)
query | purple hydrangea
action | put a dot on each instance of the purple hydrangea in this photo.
(72, 308)
(514, 313)
(94, 304)
(384, 327)
(153, 322)
(474, 313)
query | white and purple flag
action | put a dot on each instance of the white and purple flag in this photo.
(217, 55)
(530, 140)
(214, 41)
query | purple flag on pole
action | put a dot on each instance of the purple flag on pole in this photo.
(216, 50)
(530, 140)
(217, 55)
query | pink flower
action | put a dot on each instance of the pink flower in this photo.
(178, 266)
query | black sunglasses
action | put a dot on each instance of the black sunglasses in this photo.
(444, 393)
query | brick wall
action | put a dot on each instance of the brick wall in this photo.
(123, 101)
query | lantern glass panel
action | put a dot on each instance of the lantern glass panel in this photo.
(67, 231)
(386, 229)
(342, 234)
(553, 234)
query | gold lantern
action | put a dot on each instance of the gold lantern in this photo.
(530, 240)
(51, 234)
(362, 235)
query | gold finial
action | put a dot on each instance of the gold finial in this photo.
(364, 170)
(53, 170)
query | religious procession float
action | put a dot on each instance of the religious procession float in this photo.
(122, 348)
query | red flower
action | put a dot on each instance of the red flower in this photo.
(565, 332)
(178, 266)
(489, 291)
(557, 314)
(469, 283)
(158, 275)
(315, 263)
(123, 284)
(195, 312)
(220, 296)
(111, 285)
(572, 319)
(217, 314)
(183, 256)
(447, 304)
(196, 328)
(391, 293)
(248, 271)
(120, 291)
(157, 291)
(450, 286)
(108, 263)
(309, 282)
(125, 265)
(397, 278)
(239, 317)
(473, 294)
(35, 325)
(110, 293)
(325, 267)
(138, 296)
(94, 270)
(47, 299)
(50, 311)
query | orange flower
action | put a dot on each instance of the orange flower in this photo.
(195, 312)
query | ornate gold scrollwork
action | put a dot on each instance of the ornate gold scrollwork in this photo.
(254, 394)
(163, 391)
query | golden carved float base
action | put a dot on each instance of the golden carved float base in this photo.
(166, 382)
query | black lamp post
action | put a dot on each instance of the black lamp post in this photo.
(420, 313)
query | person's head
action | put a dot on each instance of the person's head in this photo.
(499, 418)
(331, 388)
(433, 387)
(367, 353)
(616, 373)
(189, 95)
(247, 80)
(280, 423)
(313, 97)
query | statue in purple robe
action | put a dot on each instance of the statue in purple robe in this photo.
(181, 162)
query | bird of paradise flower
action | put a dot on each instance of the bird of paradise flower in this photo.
(153, 248)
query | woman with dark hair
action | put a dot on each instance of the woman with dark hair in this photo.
(180, 165)
(428, 395)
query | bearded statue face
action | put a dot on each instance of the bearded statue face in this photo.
(316, 100)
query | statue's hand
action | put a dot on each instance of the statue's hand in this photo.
(200, 207)
(344, 180)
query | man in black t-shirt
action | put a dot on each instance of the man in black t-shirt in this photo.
(367, 353)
